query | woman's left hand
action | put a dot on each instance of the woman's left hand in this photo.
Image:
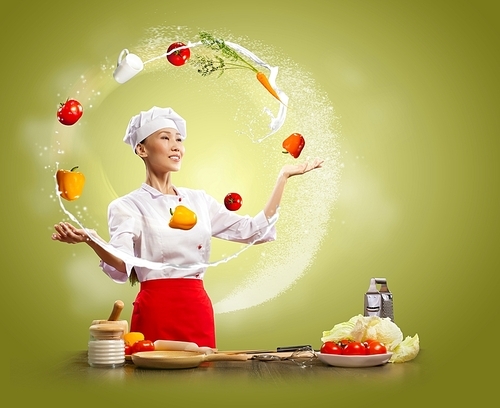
(294, 169)
(287, 171)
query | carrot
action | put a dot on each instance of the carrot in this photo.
(207, 65)
(264, 81)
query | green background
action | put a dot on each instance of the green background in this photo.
(415, 87)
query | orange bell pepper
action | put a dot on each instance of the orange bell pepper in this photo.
(182, 218)
(70, 183)
(294, 144)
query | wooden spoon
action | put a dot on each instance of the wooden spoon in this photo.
(176, 359)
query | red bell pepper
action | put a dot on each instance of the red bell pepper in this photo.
(294, 144)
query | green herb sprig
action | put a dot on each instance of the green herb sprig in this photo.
(206, 66)
(219, 63)
(223, 58)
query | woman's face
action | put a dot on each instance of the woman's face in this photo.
(163, 150)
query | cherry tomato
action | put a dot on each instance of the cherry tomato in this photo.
(344, 342)
(178, 57)
(375, 347)
(143, 345)
(233, 201)
(69, 112)
(330, 347)
(128, 350)
(354, 348)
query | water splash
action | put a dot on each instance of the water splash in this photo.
(276, 121)
(127, 258)
(307, 205)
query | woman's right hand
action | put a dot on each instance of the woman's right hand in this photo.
(65, 232)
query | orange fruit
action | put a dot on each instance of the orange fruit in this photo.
(132, 337)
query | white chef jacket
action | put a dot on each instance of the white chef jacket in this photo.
(138, 225)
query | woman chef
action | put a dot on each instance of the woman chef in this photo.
(172, 303)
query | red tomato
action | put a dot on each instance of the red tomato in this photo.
(344, 342)
(128, 350)
(178, 57)
(330, 347)
(233, 201)
(354, 348)
(69, 112)
(375, 347)
(143, 345)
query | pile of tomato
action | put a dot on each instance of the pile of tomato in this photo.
(353, 348)
(135, 342)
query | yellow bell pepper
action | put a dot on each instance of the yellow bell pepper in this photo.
(70, 183)
(182, 218)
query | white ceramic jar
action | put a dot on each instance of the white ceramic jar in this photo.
(106, 347)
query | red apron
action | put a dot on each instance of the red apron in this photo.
(174, 309)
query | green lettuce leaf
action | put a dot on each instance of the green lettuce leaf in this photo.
(406, 350)
(340, 331)
(377, 328)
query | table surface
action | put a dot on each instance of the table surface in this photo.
(76, 367)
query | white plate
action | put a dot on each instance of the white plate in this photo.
(354, 361)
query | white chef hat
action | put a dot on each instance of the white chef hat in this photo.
(148, 122)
